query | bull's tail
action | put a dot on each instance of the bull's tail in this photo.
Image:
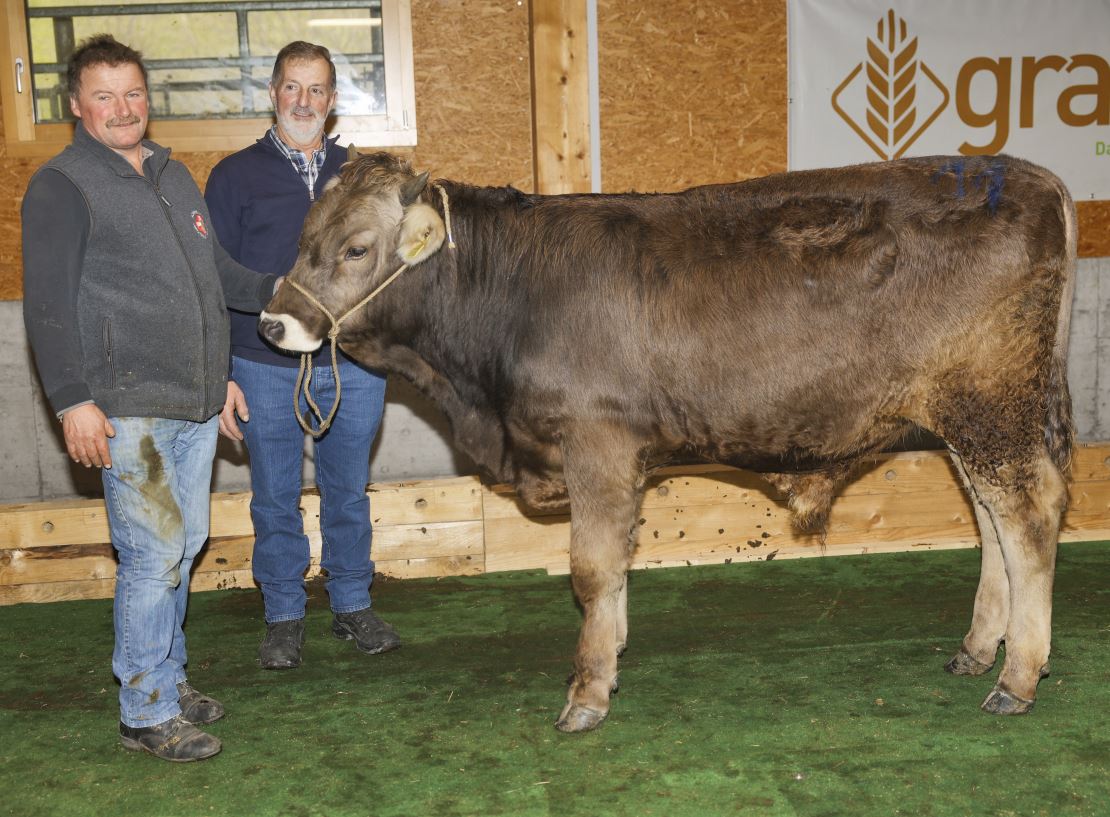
(1059, 430)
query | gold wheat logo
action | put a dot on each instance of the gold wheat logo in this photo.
(890, 97)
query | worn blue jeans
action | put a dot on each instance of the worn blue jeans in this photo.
(275, 442)
(157, 497)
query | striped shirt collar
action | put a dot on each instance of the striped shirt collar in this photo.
(307, 169)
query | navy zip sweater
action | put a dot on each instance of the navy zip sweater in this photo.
(258, 202)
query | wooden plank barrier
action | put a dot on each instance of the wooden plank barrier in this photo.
(705, 514)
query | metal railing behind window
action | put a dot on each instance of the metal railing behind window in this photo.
(198, 87)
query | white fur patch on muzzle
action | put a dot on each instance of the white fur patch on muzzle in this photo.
(286, 332)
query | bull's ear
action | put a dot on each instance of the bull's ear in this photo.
(422, 233)
(411, 190)
(352, 152)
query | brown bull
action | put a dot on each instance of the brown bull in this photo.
(791, 324)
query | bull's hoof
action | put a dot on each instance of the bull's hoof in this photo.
(578, 718)
(1001, 702)
(963, 664)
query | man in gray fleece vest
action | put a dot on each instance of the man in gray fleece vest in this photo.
(125, 291)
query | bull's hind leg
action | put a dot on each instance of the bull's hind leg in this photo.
(605, 481)
(1026, 505)
(992, 599)
(622, 608)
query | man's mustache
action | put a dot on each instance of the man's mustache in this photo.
(123, 122)
(299, 111)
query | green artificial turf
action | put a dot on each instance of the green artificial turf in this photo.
(810, 687)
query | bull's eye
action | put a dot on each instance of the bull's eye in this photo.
(355, 253)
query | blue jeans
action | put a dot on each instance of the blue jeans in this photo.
(276, 444)
(157, 497)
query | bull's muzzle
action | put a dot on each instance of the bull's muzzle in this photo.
(286, 332)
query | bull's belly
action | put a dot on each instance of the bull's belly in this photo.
(768, 447)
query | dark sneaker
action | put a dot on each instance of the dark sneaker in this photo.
(196, 707)
(175, 740)
(281, 648)
(371, 634)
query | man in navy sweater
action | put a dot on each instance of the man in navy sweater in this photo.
(258, 199)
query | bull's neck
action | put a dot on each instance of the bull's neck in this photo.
(462, 301)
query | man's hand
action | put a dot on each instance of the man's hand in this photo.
(86, 430)
(236, 403)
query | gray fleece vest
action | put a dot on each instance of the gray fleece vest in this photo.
(153, 326)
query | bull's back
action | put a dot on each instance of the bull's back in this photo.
(803, 310)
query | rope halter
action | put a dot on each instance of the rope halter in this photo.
(304, 373)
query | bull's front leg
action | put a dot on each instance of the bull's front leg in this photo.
(605, 481)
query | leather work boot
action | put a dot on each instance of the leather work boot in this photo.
(370, 633)
(196, 707)
(281, 648)
(175, 740)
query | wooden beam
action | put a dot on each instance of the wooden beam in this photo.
(560, 97)
(55, 551)
(690, 515)
(712, 514)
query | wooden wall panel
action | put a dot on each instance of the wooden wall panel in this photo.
(691, 92)
(473, 90)
(1094, 228)
(14, 175)
(53, 551)
(713, 514)
(707, 514)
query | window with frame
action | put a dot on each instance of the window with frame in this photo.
(209, 63)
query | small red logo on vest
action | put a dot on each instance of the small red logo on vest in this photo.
(198, 224)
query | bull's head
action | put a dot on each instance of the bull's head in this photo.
(369, 221)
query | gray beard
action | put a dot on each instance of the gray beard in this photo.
(308, 134)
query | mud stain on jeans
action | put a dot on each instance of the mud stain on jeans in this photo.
(156, 490)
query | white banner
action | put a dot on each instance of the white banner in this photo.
(879, 79)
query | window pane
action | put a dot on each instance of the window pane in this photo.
(211, 59)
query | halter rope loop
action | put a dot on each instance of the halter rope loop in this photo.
(304, 373)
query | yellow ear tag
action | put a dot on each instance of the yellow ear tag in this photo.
(413, 250)
(422, 234)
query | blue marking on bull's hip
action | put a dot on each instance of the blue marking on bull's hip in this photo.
(956, 168)
(992, 180)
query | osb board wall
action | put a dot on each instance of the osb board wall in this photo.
(1094, 228)
(473, 90)
(690, 93)
(14, 174)
(473, 109)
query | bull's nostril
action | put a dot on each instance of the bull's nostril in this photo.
(272, 330)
